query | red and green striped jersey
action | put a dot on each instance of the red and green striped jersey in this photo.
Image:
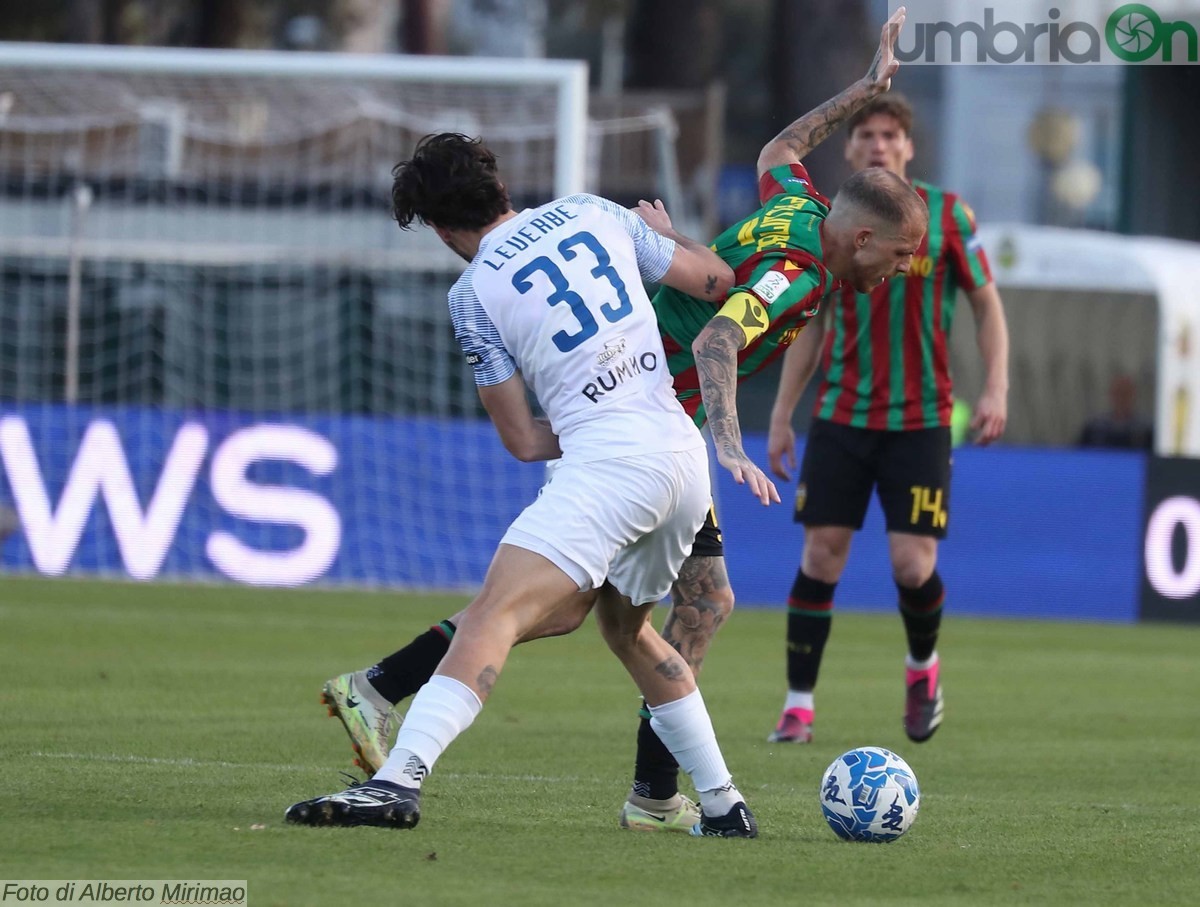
(775, 254)
(886, 357)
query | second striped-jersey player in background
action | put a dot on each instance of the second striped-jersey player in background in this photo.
(882, 422)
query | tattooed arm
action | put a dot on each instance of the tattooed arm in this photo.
(716, 350)
(695, 268)
(806, 133)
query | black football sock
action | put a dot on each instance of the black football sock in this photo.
(921, 610)
(403, 673)
(655, 771)
(809, 619)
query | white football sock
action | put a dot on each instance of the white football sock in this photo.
(441, 710)
(686, 730)
(717, 803)
(797, 700)
(913, 665)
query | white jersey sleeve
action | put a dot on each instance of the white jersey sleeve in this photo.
(478, 335)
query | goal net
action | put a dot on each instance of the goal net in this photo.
(218, 355)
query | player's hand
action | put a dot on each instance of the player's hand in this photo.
(744, 472)
(655, 215)
(991, 415)
(781, 450)
(884, 66)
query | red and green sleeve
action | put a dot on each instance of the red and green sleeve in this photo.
(964, 252)
(788, 179)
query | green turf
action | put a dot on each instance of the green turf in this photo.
(160, 732)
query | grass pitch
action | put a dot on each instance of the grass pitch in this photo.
(159, 732)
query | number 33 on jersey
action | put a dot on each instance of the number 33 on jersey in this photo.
(557, 294)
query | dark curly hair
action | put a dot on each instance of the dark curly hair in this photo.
(451, 182)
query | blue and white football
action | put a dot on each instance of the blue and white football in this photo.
(869, 794)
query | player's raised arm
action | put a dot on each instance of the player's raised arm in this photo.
(695, 268)
(806, 133)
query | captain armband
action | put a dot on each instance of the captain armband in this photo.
(748, 311)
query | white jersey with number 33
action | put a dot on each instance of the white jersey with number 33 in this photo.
(556, 293)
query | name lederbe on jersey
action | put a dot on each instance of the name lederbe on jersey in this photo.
(628, 367)
(523, 238)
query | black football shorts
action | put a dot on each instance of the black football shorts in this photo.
(910, 471)
(708, 540)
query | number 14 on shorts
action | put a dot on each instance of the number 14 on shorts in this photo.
(927, 500)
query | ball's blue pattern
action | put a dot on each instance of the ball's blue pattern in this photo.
(869, 794)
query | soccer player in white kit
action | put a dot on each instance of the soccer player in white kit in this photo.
(552, 301)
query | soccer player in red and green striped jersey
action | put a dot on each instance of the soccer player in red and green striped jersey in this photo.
(794, 250)
(776, 256)
(882, 421)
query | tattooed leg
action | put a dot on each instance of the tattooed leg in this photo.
(657, 669)
(701, 599)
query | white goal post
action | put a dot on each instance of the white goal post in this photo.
(219, 357)
(567, 77)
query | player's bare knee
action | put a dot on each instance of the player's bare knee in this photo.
(618, 621)
(560, 625)
(722, 601)
(513, 615)
(701, 597)
(621, 637)
(705, 612)
(913, 559)
(913, 572)
(565, 619)
(825, 555)
(555, 625)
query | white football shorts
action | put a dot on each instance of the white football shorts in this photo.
(630, 520)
